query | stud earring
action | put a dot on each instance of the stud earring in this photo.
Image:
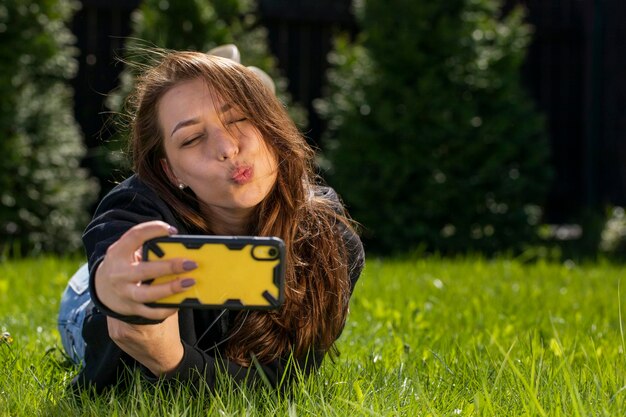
(181, 186)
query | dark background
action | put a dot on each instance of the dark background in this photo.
(575, 70)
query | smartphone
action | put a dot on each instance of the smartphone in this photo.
(234, 272)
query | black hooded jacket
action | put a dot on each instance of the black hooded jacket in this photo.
(133, 202)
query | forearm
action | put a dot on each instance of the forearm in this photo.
(156, 346)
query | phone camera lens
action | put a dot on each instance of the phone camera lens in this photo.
(272, 252)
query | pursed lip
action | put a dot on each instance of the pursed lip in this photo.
(242, 174)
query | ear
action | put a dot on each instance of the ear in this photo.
(168, 171)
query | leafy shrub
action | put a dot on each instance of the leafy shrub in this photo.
(44, 192)
(613, 237)
(431, 139)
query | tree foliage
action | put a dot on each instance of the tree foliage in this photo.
(431, 140)
(43, 190)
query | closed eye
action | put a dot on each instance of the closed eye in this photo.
(191, 140)
(241, 119)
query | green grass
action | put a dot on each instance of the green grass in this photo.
(466, 337)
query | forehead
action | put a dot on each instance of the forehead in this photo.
(189, 99)
(187, 94)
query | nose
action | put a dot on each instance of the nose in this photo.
(227, 146)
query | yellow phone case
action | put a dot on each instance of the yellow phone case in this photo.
(237, 272)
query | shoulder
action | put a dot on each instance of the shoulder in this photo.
(329, 196)
(351, 240)
(132, 185)
(324, 191)
(132, 194)
(129, 203)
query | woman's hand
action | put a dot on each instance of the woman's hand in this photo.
(155, 346)
(119, 276)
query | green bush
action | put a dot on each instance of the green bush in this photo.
(44, 192)
(197, 25)
(431, 139)
(613, 237)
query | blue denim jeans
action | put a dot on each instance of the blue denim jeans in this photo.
(74, 303)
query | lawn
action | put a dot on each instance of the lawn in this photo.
(462, 337)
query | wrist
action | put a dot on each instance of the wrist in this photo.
(166, 364)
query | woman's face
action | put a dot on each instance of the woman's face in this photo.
(213, 149)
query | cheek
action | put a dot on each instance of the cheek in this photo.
(274, 165)
(267, 154)
(182, 161)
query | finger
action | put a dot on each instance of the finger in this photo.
(151, 293)
(138, 234)
(154, 269)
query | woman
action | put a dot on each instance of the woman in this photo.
(214, 152)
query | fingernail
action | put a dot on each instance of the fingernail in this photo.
(187, 282)
(172, 230)
(189, 265)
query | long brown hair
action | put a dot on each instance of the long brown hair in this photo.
(317, 281)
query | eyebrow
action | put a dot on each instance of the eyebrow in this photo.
(184, 123)
(189, 122)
